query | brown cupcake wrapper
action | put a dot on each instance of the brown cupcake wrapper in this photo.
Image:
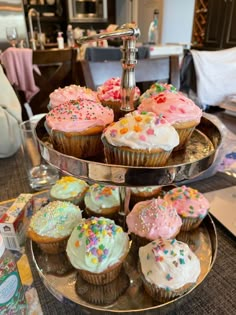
(80, 146)
(190, 224)
(115, 105)
(184, 135)
(104, 277)
(54, 247)
(123, 156)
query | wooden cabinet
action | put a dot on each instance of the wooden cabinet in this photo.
(221, 24)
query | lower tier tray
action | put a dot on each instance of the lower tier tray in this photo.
(182, 165)
(126, 294)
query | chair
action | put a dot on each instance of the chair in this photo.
(57, 69)
(147, 71)
(112, 53)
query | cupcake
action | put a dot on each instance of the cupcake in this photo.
(168, 269)
(109, 95)
(139, 140)
(101, 200)
(70, 93)
(155, 89)
(181, 112)
(69, 188)
(75, 128)
(138, 194)
(51, 226)
(151, 219)
(191, 205)
(97, 248)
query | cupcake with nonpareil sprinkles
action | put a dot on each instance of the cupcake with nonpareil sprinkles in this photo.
(51, 226)
(71, 93)
(151, 219)
(139, 140)
(109, 95)
(191, 205)
(102, 200)
(97, 248)
(75, 127)
(181, 112)
(168, 269)
(69, 188)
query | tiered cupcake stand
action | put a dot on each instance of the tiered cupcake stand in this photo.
(183, 165)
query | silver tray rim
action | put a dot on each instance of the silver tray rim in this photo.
(122, 175)
(210, 225)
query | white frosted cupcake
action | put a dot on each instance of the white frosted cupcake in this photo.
(102, 200)
(139, 140)
(97, 248)
(168, 269)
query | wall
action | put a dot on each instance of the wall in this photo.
(175, 20)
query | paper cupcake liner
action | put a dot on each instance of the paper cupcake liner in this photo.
(107, 212)
(104, 277)
(124, 156)
(54, 247)
(163, 295)
(184, 135)
(80, 146)
(190, 223)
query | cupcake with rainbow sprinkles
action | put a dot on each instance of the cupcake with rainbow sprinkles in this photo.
(97, 248)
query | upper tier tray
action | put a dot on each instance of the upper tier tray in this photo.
(182, 165)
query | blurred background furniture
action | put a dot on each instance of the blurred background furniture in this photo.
(112, 53)
(57, 69)
(35, 74)
(163, 69)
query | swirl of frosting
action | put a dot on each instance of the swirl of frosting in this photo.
(57, 219)
(71, 92)
(68, 187)
(169, 264)
(188, 202)
(174, 106)
(157, 88)
(76, 116)
(100, 197)
(96, 244)
(153, 218)
(110, 90)
(142, 131)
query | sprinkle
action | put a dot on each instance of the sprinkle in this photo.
(150, 131)
(123, 130)
(137, 128)
(168, 277)
(138, 118)
(182, 261)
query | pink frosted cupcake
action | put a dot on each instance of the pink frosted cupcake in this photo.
(75, 127)
(168, 269)
(190, 204)
(69, 93)
(181, 112)
(139, 140)
(109, 95)
(151, 219)
(155, 89)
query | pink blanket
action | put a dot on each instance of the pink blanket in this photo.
(19, 70)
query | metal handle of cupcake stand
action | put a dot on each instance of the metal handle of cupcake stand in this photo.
(129, 34)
